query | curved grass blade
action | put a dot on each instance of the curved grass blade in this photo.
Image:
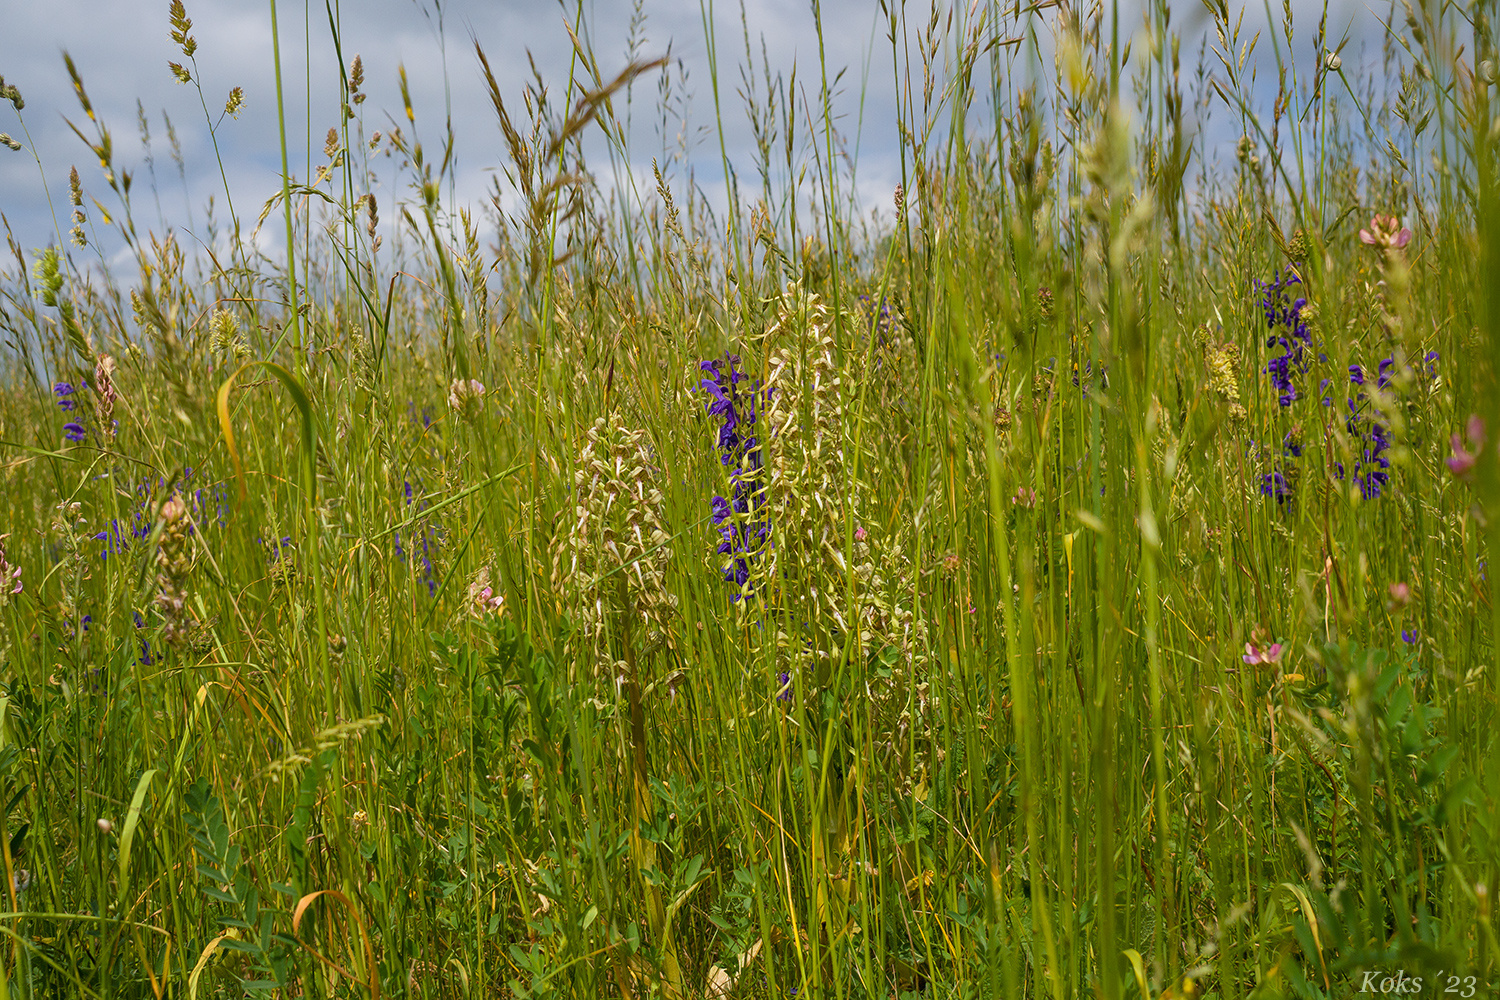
(304, 408)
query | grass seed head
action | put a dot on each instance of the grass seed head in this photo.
(181, 25)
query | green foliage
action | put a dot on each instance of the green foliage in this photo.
(1044, 635)
(249, 926)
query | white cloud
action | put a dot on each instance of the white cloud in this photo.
(122, 51)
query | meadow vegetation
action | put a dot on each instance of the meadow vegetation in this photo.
(1066, 578)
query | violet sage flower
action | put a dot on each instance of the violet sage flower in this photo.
(1370, 464)
(1289, 332)
(879, 317)
(738, 519)
(1278, 482)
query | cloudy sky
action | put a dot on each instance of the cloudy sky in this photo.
(122, 49)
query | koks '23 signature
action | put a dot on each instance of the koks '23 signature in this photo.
(1399, 983)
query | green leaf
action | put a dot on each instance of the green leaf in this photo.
(304, 407)
(127, 832)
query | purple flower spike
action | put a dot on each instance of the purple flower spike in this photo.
(73, 432)
(1386, 365)
(1274, 484)
(783, 686)
(1288, 331)
(738, 520)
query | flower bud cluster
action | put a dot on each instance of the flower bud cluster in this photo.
(104, 385)
(1223, 362)
(813, 491)
(611, 558)
(10, 576)
(465, 396)
(174, 564)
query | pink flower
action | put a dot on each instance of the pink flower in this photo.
(461, 392)
(1254, 656)
(1400, 596)
(1383, 234)
(488, 600)
(482, 597)
(10, 576)
(860, 534)
(1461, 463)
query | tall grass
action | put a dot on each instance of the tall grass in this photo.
(1073, 582)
